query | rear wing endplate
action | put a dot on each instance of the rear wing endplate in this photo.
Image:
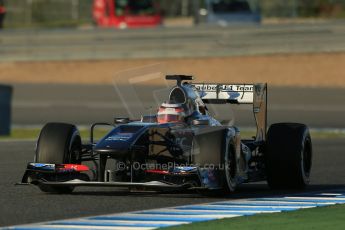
(255, 94)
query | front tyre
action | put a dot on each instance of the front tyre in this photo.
(230, 170)
(58, 143)
(227, 172)
(288, 155)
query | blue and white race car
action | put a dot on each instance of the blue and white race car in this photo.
(182, 147)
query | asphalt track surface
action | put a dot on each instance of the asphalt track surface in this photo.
(26, 204)
(203, 41)
(86, 104)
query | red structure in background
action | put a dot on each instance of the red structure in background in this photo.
(2, 13)
(126, 13)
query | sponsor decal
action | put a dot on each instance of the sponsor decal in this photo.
(42, 166)
(224, 88)
(59, 168)
(233, 95)
(120, 137)
(71, 168)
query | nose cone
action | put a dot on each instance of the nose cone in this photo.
(119, 140)
(116, 143)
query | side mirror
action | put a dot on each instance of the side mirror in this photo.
(121, 120)
(200, 122)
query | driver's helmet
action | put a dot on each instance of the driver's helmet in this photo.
(171, 112)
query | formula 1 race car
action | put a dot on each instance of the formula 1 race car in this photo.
(182, 147)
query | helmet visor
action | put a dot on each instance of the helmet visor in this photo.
(165, 118)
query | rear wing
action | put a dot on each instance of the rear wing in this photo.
(225, 93)
(255, 94)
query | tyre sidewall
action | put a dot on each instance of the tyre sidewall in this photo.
(55, 142)
(285, 147)
(229, 154)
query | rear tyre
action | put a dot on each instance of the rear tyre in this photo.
(288, 154)
(58, 143)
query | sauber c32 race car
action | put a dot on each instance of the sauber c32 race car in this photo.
(181, 148)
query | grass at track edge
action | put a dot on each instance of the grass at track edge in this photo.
(320, 218)
(33, 133)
